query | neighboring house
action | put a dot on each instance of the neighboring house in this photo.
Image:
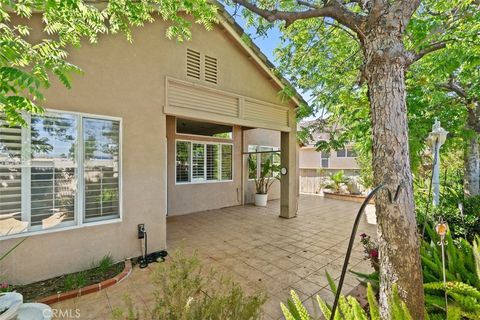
(152, 129)
(313, 163)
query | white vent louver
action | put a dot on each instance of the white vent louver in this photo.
(193, 64)
(211, 69)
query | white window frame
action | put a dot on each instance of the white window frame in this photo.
(79, 214)
(190, 162)
(322, 158)
(259, 157)
(346, 152)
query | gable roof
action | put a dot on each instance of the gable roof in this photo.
(238, 33)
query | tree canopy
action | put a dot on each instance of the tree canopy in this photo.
(26, 65)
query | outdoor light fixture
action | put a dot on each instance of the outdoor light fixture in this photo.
(283, 171)
(435, 140)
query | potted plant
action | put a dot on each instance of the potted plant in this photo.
(268, 173)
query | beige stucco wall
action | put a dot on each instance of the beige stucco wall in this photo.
(311, 159)
(128, 81)
(259, 137)
(195, 197)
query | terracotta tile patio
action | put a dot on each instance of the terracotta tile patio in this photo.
(257, 249)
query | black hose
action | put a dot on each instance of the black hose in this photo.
(352, 239)
(147, 258)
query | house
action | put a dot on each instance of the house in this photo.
(314, 164)
(154, 129)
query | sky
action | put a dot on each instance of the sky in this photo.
(266, 43)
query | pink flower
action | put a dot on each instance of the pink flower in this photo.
(4, 285)
(374, 253)
(363, 235)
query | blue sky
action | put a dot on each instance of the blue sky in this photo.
(267, 44)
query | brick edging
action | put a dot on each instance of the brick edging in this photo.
(91, 288)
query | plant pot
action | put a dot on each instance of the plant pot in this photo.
(261, 200)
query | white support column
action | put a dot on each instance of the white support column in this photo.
(288, 182)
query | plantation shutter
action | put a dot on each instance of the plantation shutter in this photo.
(213, 157)
(53, 169)
(183, 161)
(198, 161)
(10, 171)
(101, 163)
(227, 162)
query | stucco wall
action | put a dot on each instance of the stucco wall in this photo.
(260, 137)
(195, 197)
(310, 158)
(128, 81)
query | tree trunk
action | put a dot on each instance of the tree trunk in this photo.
(472, 154)
(385, 65)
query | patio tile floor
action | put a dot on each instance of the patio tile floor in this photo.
(257, 249)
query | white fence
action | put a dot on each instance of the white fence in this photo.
(311, 184)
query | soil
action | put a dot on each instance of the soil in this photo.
(37, 290)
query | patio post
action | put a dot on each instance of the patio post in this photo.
(288, 181)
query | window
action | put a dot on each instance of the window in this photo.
(325, 159)
(206, 129)
(265, 153)
(62, 170)
(347, 152)
(203, 162)
(101, 168)
(227, 170)
(183, 161)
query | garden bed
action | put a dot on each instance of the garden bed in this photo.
(346, 197)
(69, 283)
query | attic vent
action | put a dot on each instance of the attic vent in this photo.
(193, 64)
(211, 69)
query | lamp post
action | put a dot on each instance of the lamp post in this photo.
(435, 140)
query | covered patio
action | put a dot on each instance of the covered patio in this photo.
(257, 249)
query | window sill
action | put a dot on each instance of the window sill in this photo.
(202, 182)
(60, 229)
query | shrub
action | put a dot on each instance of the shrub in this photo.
(187, 291)
(337, 180)
(104, 264)
(370, 248)
(75, 281)
(348, 308)
(461, 260)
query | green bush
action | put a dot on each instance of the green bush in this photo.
(348, 308)
(75, 281)
(461, 260)
(451, 194)
(462, 270)
(104, 264)
(187, 291)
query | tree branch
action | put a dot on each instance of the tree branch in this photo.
(307, 4)
(454, 86)
(332, 9)
(431, 48)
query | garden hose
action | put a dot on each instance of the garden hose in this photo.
(147, 258)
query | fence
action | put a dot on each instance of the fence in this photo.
(311, 184)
